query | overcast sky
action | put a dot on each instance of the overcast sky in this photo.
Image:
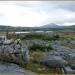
(37, 13)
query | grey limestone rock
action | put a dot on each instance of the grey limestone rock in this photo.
(14, 52)
(12, 68)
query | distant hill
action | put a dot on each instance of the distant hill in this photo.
(51, 25)
(70, 27)
(73, 26)
(3, 27)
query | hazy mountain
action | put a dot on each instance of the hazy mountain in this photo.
(51, 25)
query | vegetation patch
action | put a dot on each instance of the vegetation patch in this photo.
(38, 36)
(38, 47)
(37, 55)
(70, 45)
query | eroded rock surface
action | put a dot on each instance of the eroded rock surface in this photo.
(14, 52)
(12, 68)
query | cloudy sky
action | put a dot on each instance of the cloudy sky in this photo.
(37, 13)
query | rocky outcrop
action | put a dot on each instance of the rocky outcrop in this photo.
(14, 52)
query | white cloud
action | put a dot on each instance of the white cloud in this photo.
(12, 13)
(68, 24)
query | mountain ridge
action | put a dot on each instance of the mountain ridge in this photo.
(51, 26)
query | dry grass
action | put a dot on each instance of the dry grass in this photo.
(70, 45)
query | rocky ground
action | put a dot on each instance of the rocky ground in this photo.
(59, 54)
(62, 56)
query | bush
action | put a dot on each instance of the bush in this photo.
(56, 37)
(36, 47)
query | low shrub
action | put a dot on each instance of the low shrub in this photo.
(36, 47)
